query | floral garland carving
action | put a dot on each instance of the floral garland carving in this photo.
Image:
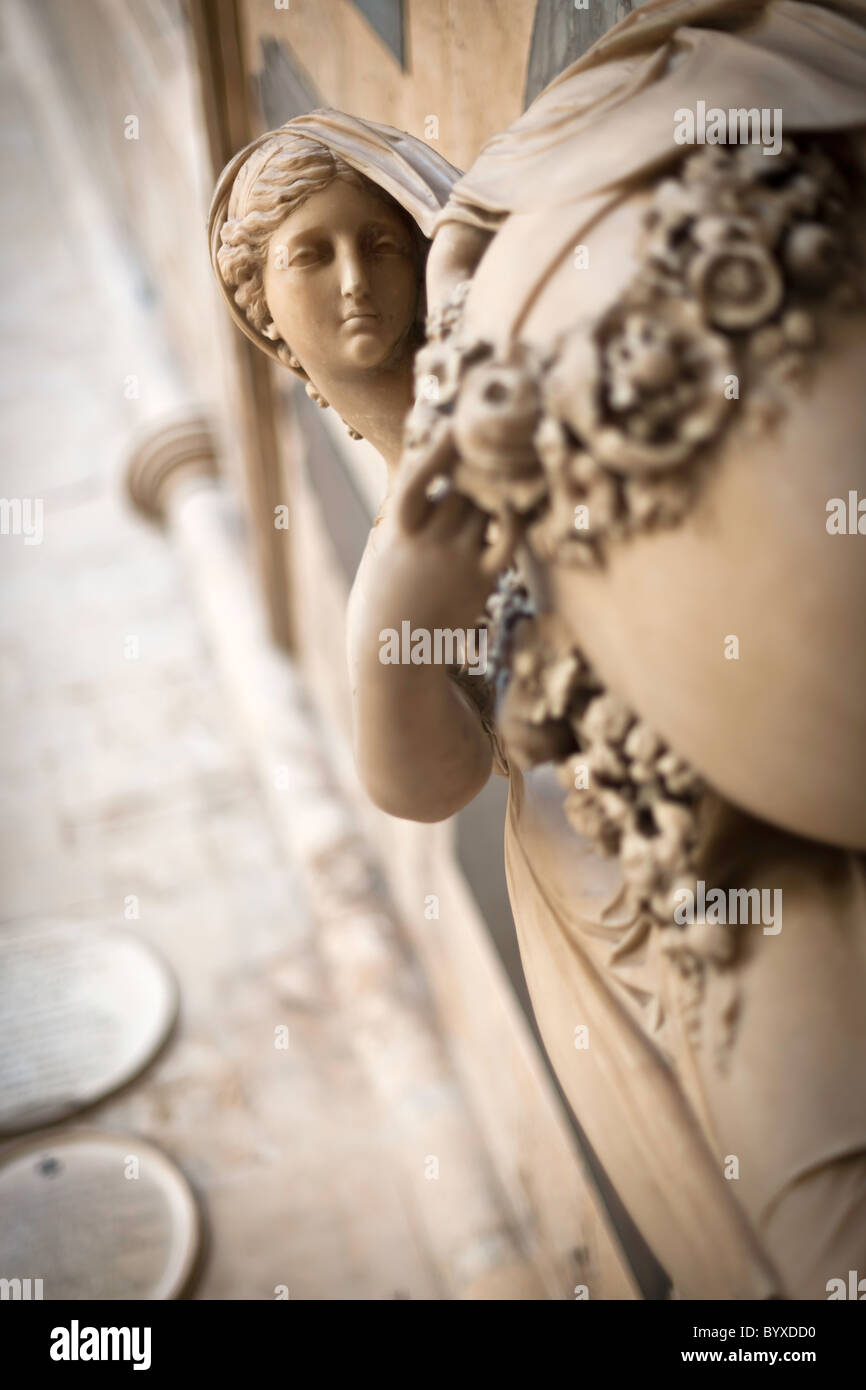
(599, 438)
(627, 792)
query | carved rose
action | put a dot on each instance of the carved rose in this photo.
(646, 388)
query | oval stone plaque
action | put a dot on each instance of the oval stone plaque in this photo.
(81, 1012)
(86, 1215)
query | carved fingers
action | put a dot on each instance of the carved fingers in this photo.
(414, 502)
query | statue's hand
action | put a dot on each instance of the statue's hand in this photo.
(432, 573)
(412, 505)
(421, 749)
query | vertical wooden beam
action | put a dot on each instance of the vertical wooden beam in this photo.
(226, 107)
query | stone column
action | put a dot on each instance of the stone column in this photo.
(375, 982)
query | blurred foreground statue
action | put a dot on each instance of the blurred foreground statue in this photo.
(646, 364)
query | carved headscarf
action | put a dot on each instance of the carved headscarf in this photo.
(404, 167)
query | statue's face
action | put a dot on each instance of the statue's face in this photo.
(341, 280)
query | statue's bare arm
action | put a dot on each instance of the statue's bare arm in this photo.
(420, 747)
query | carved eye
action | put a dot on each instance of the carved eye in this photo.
(308, 255)
(387, 246)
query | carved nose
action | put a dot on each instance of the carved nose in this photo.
(353, 280)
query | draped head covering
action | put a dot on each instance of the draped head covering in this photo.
(403, 166)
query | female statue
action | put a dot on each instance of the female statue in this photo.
(581, 344)
(318, 236)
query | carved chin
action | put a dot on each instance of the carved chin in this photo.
(375, 347)
(365, 347)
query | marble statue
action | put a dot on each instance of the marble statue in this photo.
(637, 412)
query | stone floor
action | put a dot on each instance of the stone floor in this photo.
(123, 775)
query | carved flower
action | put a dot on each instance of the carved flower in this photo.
(701, 941)
(737, 282)
(584, 500)
(632, 796)
(497, 414)
(446, 320)
(546, 672)
(708, 166)
(641, 361)
(428, 441)
(437, 373)
(440, 367)
(606, 765)
(545, 668)
(657, 849)
(645, 388)
(674, 207)
(812, 255)
(657, 499)
(423, 423)
(606, 719)
(642, 748)
(678, 777)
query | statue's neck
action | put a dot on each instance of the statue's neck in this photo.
(376, 405)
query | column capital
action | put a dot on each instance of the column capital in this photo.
(180, 448)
